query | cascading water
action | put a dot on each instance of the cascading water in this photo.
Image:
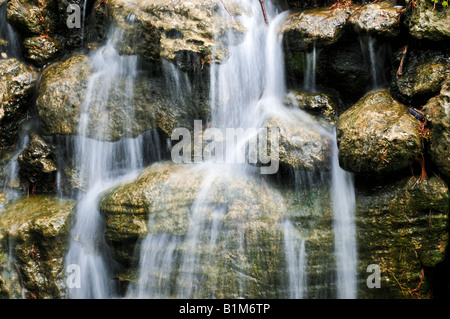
(246, 90)
(310, 72)
(343, 202)
(101, 165)
(8, 34)
(374, 55)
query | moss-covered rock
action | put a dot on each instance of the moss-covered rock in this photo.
(41, 50)
(153, 105)
(320, 105)
(173, 30)
(423, 74)
(402, 228)
(377, 135)
(33, 17)
(16, 92)
(37, 165)
(33, 241)
(250, 217)
(380, 19)
(437, 111)
(301, 144)
(322, 26)
(427, 22)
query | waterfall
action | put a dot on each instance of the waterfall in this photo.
(374, 55)
(296, 261)
(101, 165)
(12, 168)
(246, 90)
(343, 202)
(8, 34)
(310, 72)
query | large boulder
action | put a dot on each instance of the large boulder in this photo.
(34, 17)
(381, 19)
(302, 145)
(437, 111)
(16, 92)
(37, 165)
(33, 241)
(169, 29)
(63, 91)
(319, 105)
(41, 49)
(322, 26)
(429, 22)
(175, 205)
(377, 135)
(402, 228)
(236, 223)
(422, 75)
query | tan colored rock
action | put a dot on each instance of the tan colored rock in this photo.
(33, 241)
(170, 29)
(377, 135)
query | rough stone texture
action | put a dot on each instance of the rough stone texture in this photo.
(33, 242)
(320, 105)
(402, 228)
(33, 17)
(301, 145)
(377, 135)
(381, 19)
(428, 24)
(424, 71)
(323, 26)
(170, 29)
(37, 166)
(437, 111)
(16, 91)
(41, 50)
(63, 90)
(61, 93)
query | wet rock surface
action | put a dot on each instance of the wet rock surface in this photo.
(37, 165)
(33, 241)
(402, 228)
(422, 74)
(377, 135)
(320, 105)
(162, 202)
(63, 92)
(429, 22)
(437, 111)
(41, 50)
(16, 93)
(172, 30)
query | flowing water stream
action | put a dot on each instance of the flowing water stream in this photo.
(8, 34)
(246, 91)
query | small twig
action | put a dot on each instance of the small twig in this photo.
(429, 221)
(402, 61)
(18, 273)
(263, 8)
(225, 7)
